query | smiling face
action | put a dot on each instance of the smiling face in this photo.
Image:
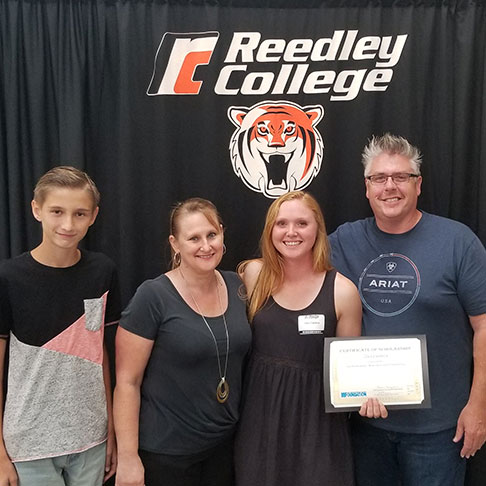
(65, 214)
(295, 230)
(198, 241)
(394, 205)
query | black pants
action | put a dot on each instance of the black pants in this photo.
(210, 468)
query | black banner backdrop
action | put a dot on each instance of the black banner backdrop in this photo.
(160, 101)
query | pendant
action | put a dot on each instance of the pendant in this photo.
(222, 392)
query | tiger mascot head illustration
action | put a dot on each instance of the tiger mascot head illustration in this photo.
(276, 147)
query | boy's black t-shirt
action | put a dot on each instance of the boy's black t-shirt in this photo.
(55, 318)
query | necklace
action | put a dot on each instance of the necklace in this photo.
(222, 390)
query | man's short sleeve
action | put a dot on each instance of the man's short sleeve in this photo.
(471, 283)
(341, 263)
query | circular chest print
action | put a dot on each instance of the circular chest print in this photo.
(389, 284)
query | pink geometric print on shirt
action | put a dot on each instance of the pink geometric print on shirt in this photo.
(78, 340)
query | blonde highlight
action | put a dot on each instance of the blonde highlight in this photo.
(65, 176)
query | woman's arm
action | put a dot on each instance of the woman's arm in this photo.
(348, 307)
(132, 355)
(249, 273)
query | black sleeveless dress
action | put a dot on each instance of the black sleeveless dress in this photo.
(284, 436)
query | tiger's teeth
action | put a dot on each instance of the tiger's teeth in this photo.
(266, 157)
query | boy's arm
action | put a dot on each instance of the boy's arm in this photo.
(111, 456)
(112, 317)
(8, 475)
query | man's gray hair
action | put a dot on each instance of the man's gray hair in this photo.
(392, 145)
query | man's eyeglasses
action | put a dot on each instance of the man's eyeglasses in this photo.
(397, 178)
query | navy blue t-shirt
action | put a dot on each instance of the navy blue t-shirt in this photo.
(425, 281)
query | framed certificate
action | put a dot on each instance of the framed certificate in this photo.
(393, 369)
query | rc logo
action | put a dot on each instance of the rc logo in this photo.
(176, 61)
(389, 284)
(339, 66)
(276, 147)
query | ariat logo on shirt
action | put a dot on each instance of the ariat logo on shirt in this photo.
(389, 284)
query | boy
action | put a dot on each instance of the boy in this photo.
(54, 303)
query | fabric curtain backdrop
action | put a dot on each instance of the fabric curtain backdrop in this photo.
(160, 101)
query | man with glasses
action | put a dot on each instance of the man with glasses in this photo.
(418, 273)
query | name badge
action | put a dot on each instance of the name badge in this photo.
(311, 324)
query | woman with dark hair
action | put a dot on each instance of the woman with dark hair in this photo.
(295, 299)
(180, 350)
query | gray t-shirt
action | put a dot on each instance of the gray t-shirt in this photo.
(425, 281)
(56, 398)
(179, 413)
